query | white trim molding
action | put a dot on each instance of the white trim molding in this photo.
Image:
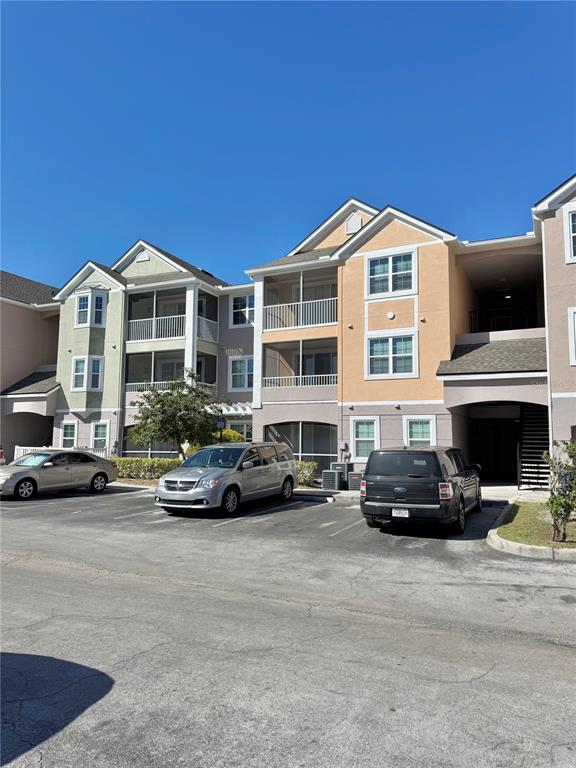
(94, 424)
(74, 423)
(569, 213)
(557, 395)
(389, 254)
(406, 428)
(352, 446)
(390, 334)
(572, 334)
(246, 311)
(64, 292)
(91, 308)
(87, 373)
(246, 373)
(492, 376)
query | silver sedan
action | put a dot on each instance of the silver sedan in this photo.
(54, 471)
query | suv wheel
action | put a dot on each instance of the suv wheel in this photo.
(460, 522)
(478, 505)
(287, 489)
(230, 501)
(25, 489)
(373, 523)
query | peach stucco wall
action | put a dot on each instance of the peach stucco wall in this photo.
(28, 339)
(462, 299)
(403, 310)
(338, 235)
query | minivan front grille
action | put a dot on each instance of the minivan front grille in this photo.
(180, 485)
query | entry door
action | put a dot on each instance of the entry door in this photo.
(493, 445)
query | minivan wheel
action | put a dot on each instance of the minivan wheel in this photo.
(25, 489)
(98, 483)
(287, 489)
(230, 501)
(460, 522)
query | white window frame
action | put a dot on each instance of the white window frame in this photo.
(230, 361)
(67, 422)
(413, 332)
(249, 323)
(572, 334)
(353, 420)
(91, 313)
(405, 428)
(234, 424)
(88, 374)
(569, 249)
(106, 422)
(388, 253)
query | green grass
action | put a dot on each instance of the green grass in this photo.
(529, 524)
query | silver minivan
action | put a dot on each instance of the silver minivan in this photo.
(220, 476)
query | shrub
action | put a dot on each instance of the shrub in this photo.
(144, 469)
(306, 472)
(228, 436)
(562, 502)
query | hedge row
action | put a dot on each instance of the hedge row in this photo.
(152, 469)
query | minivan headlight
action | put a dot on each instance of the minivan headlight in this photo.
(162, 482)
(208, 483)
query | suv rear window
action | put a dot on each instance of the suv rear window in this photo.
(403, 464)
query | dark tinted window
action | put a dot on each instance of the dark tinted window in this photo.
(60, 459)
(268, 454)
(80, 458)
(284, 453)
(456, 459)
(253, 456)
(402, 464)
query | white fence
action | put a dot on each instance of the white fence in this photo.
(21, 450)
(320, 380)
(299, 314)
(207, 329)
(170, 327)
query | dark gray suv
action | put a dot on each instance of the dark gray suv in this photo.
(421, 484)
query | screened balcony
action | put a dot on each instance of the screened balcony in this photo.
(207, 317)
(156, 315)
(153, 370)
(310, 363)
(302, 300)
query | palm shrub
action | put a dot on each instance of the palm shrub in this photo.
(562, 502)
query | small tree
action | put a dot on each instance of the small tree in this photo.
(185, 413)
(562, 503)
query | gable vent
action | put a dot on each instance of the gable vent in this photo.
(353, 223)
(143, 256)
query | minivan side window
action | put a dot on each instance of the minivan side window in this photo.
(268, 453)
(284, 453)
(253, 456)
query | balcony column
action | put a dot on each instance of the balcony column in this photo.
(154, 317)
(301, 308)
(190, 327)
(258, 319)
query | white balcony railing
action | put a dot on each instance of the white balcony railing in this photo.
(318, 380)
(207, 329)
(300, 313)
(162, 386)
(170, 327)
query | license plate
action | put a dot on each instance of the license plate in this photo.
(400, 513)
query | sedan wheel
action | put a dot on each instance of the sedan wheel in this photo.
(25, 489)
(230, 501)
(98, 483)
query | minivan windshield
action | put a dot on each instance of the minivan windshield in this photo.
(31, 460)
(403, 464)
(223, 458)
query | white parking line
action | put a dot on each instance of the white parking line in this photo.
(262, 513)
(133, 514)
(163, 520)
(346, 529)
(325, 525)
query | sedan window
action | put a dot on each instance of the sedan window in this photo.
(31, 460)
(60, 460)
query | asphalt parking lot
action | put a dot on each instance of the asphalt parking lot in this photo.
(287, 636)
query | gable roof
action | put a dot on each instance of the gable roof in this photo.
(510, 356)
(180, 264)
(18, 288)
(557, 195)
(299, 257)
(85, 269)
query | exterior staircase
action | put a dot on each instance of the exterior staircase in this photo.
(532, 471)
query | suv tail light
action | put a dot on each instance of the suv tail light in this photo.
(1, 454)
(445, 491)
(362, 487)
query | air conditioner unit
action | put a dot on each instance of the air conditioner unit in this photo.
(354, 479)
(331, 480)
(342, 466)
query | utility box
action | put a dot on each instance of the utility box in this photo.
(354, 479)
(331, 480)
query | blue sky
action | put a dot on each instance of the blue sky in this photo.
(225, 132)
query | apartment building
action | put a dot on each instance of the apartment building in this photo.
(381, 329)
(141, 323)
(28, 348)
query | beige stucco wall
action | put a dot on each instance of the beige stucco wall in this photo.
(433, 321)
(28, 339)
(154, 266)
(318, 332)
(560, 283)
(337, 235)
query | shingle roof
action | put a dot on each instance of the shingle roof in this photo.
(111, 273)
(512, 356)
(296, 258)
(27, 291)
(37, 383)
(198, 272)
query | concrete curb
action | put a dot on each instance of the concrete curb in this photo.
(494, 540)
